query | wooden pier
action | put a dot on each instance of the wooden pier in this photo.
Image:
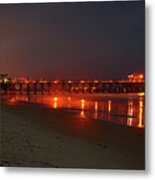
(67, 86)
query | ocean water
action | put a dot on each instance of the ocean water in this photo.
(124, 109)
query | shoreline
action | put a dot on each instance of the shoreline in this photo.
(113, 95)
(34, 135)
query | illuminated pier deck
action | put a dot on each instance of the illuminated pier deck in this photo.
(72, 86)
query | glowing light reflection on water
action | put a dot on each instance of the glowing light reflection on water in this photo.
(128, 110)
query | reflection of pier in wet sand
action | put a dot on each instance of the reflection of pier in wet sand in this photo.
(129, 111)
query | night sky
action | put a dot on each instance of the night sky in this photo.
(102, 40)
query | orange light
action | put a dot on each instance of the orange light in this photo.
(109, 106)
(130, 113)
(93, 89)
(82, 114)
(26, 81)
(56, 81)
(55, 104)
(69, 102)
(130, 77)
(96, 110)
(82, 81)
(6, 80)
(141, 76)
(12, 101)
(96, 105)
(141, 94)
(55, 98)
(69, 98)
(140, 125)
(82, 103)
(109, 109)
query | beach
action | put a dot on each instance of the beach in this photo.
(34, 135)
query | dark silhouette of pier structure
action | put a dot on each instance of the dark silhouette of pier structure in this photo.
(75, 86)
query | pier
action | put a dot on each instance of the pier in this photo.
(74, 86)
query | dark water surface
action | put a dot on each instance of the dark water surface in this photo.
(119, 109)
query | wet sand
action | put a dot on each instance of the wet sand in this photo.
(37, 136)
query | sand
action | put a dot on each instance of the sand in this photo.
(34, 135)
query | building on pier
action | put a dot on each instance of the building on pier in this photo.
(136, 77)
(4, 78)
